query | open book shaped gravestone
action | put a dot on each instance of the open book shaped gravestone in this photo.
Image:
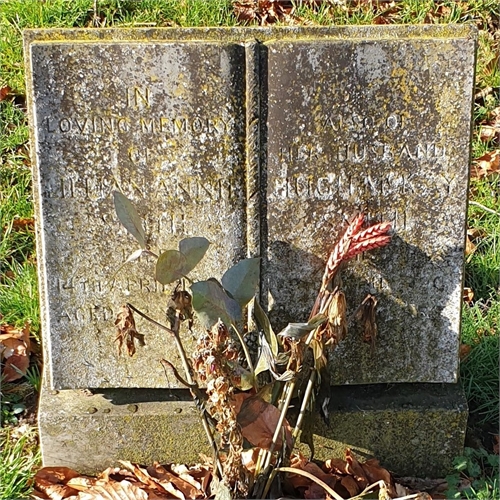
(262, 141)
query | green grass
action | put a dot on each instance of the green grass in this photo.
(18, 458)
(18, 294)
(479, 370)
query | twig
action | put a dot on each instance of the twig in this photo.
(486, 209)
(304, 473)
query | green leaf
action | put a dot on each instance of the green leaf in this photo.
(266, 327)
(242, 279)
(128, 216)
(170, 266)
(194, 250)
(211, 302)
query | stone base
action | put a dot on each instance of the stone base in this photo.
(413, 429)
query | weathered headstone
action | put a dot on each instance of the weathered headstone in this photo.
(260, 140)
(381, 124)
(164, 124)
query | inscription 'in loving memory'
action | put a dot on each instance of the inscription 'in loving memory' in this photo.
(136, 98)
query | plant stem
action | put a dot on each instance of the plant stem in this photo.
(246, 351)
(303, 407)
(189, 378)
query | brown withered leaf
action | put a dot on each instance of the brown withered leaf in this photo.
(52, 482)
(470, 248)
(355, 470)
(366, 316)
(258, 420)
(23, 223)
(263, 11)
(468, 295)
(488, 133)
(123, 490)
(308, 487)
(350, 484)
(487, 165)
(126, 331)
(374, 473)
(5, 92)
(335, 465)
(15, 347)
(464, 351)
(496, 444)
(188, 486)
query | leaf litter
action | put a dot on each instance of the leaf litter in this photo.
(343, 478)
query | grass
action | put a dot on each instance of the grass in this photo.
(18, 458)
(18, 282)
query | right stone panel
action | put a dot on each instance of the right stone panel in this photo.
(381, 125)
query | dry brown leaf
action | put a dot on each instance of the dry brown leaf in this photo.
(374, 473)
(23, 223)
(15, 349)
(55, 491)
(464, 351)
(310, 488)
(4, 92)
(487, 165)
(488, 132)
(355, 470)
(258, 420)
(468, 295)
(496, 444)
(351, 485)
(470, 248)
(172, 482)
(126, 331)
(335, 465)
(123, 490)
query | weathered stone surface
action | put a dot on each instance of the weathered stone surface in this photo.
(356, 116)
(163, 123)
(382, 125)
(92, 432)
(412, 429)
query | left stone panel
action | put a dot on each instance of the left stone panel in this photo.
(162, 122)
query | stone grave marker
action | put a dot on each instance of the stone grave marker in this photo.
(381, 124)
(260, 140)
(163, 123)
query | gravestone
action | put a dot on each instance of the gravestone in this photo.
(261, 140)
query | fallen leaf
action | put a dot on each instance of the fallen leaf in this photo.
(335, 465)
(468, 295)
(487, 165)
(487, 133)
(355, 470)
(374, 473)
(124, 490)
(4, 92)
(470, 248)
(15, 348)
(496, 444)
(23, 223)
(351, 485)
(52, 482)
(464, 351)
